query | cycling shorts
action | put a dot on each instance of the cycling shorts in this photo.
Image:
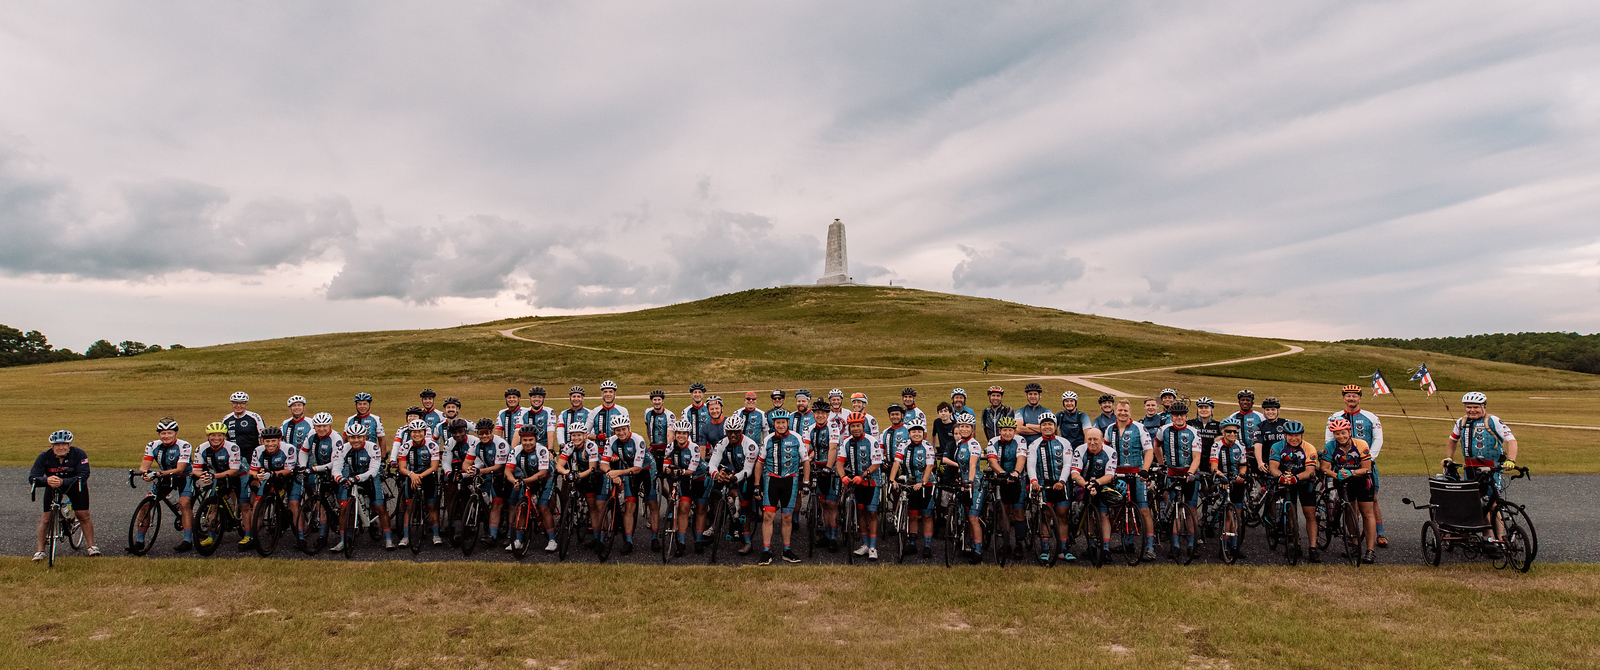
(1052, 496)
(499, 489)
(827, 488)
(1305, 492)
(921, 501)
(1013, 494)
(367, 487)
(590, 486)
(1358, 489)
(868, 497)
(975, 500)
(161, 487)
(1190, 492)
(76, 493)
(778, 494)
(429, 489)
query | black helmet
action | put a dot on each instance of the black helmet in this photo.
(909, 392)
(1106, 397)
(272, 433)
(1179, 407)
(452, 400)
(460, 426)
(485, 423)
(779, 393)
(697, 386)
(1271, 403)
(895, 408)
(427, 393)
(414, 410)
(514, 392)
(1033, 387)
(658, 393)
(528, 429)
(1247, 393)
(536, 391)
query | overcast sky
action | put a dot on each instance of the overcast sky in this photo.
(203, 173)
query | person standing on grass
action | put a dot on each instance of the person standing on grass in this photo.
(915, 461)
(1134, 453)
(696, 413)
(1364, 426)
(860, 466)
(297, 427)
(783, 467)
(574, 416)
(542, 418)
(908, 404)
(1108, 406)
(63, 470)
(994, 412)
(1028, 415)
(1348, 461)
(1071, 423)
(755, 421)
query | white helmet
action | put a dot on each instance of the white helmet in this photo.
(1474, 398)
(296, 399)
(733, 423)
(682, 426)
(917, 424)
(619, 421)
(1070, 395)
(322, 419)
(417, 424)
(239, 396)
(836, 393)
(965, 419)
(355, 430)
(608, 384)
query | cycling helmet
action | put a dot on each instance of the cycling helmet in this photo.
(427, 393)
(750, 395)
(322, 419)
(620, 421)
(355, 430)
(714, 399)
(682, 426)
(858, 396)
(215, 427)
(1105, 398)
(484, 423)
(578, 429)
(965, 419)
(576, 389)
(1006, 422)
(734, 424)
(1351, 388)
(1337, 425)
(166, 423)
(908, 391)
(1230, 421)
(917, 424)
(778, 414)
(528, 429)
(295, 399)
(658, 393)
(608, 385)
(895, 408)
(1167, 392)
(836, 393)
(1110, 497)
(1179, 407)
(779, 393)
(458, 425)
(417, 424)
(452, 401)
(513, 392)
(1047, 417)
(1475, 398)
(414, 410)
(1247, 393)
(272, 433)
(856, 417)
(958, 392)
(1293, 428)
(1070, 395)
(239, 396)
(802, 393)
(536, 391)
(1205, 402)
(996, 389)
(697, 386)
(1271, 403)
(61, 437)
(1033, 387)
(363, 397)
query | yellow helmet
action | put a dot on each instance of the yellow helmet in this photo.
(216, 427)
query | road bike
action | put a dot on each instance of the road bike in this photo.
(62, 524)
(147, 514)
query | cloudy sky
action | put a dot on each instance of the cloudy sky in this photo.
(181, 173)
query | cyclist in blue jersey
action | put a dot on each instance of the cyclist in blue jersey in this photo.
(993, 413)
(508, 420)
(1050, 471)
(1180, 452)
(896, 434)
(656, 424)
(1167, 397)
(1364, 426)
(712, 431)
(1230, 462)
(779, 397)
(1028, 415)
(63, 469)
(272, 459)
(1094, 468)
(419, 465)
(356, 467)
(529, 469)
(1486, 442)
(169, 457)
(783, 466)
(1134, 453)
(244, 426)
(452, 411)
(297, 426)
(1249, 420)
(821, 440)
(433, 417)
(683, 461)
(1010, 458)
(1108, 416)
(738, 453)
(486, 460)
(574, 415)
(1207, 426)
(755, 421)
(914, 462)
(316, 457)
(600, 417)
(1153, 419)
(628, 462)
(1071, 423)
(365, 417)
(1293, 462)
(403, 435)
(860, 467)
(220, 460)
(966, 459)
(696, 413)
(908, 404)
(1349, 462)
(589, 483)
(543, 419)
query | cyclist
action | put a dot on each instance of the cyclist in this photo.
(993, 413)
(1292, 461)
(542, 418)
(1108, 416)
(168, 457)
(958, 404)
(403, 435)
(486, 460)
(297, 426)
(965, 458)
(1364, 425)
(452, 411)
(739, 454)
(696, 412)
(908, 401)
(915, 459)
(1153, 419)
(270, 460)
(244, 426)
(365, 417)
(356, 470)
(316, 457)
(824, 451)
(1094, 468)
(805, 416)
(433, 417)
(1208, 428)
(1229, 461)
(507, 420)
(458, 441)
(218, 459)
(860, 465)
(1009, 457)
(658, 423)
(712, 431)
(1268, 432)
(1348, 460)
(1134, 454)
(1167, 397)
(838, 418)
(64, 470)
(1028, 415)
(858, 404)
(1485, 442)
(779, 397)
(1071, 423)
(628, 462)
(1180, 452)
(589, 482)
(1249, 421)
(419, 467)
(783, 466)
(896, 434)
(574, 416)
(943, 436)
(755, 421)
(529, 470)
(600, 418)
(683, 460)
(1049, 470)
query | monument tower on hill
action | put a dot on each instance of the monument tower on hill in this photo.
(837, 267)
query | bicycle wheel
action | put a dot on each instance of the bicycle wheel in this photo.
(1230, 541)
(1291, 529)
(564, 522)
(74, 529)
(902, 527)
(417, 521)
(52, 534)
(266, 525)
(351, 509)
(1432, 548)
(469, 524)
(1325, 528)
(148, 517)
(208, 524)
(849, 527)
(1132, 540)
(813, 525)
(392, 500)
(1518, 551)
(955, 536)
(1515, 513)
(522, 523)
(1352, 534)
(719, 527)
(610, 527)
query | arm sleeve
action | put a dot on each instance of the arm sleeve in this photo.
(1377, 437)
(372, 465)
(40, 471)
(1033, 461)
(1069, 462)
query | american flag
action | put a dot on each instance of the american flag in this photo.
(1424, 379)
(1379, 386)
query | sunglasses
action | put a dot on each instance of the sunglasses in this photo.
(1230, 430)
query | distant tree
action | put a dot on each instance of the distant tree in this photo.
(176, 347)
(153, 348)
(101, 349)
(1562, 351)
(131, 348)
(19, 348)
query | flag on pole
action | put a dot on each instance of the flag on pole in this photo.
(1379, 386)
(1424, 379)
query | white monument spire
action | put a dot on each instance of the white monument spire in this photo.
(836, 270)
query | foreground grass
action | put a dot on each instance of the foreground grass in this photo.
(131, 612)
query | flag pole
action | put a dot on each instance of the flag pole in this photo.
(1421, 450)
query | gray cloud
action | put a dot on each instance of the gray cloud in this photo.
(1022, 265)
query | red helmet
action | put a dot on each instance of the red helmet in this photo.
(856, 417)
(1337, 425)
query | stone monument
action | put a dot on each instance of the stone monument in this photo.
(837, 267)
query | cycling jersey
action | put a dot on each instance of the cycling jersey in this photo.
(839, 426)
(1292, 460)
(572, 417)
(1104, 421)
(1049, 460)
(529, 461)
(1180, 446)
(686, 458)
(655, 426)
(1071, 426)
(819, 439)
(629, 453)
(1227, 458)
(964, 451)
(859, 454)
(893, 438)
(914, 458)
(1247, 426)
(991, 417)
(801, 424)
(1209, 431)
(1008, 452)
(1029, 414)
(453, 453)
(488, 454)
(419, 457)
(782, 455)
(1483, 441)
(697, 416)
(600, 418)
(1268, 433)
(218, 459)
(372, 422)
(362, 463)
(1092, 466)
(295, 431)
(755, 424)
(591, 455)
(912, 413)
(1364, 426)
(543, 421)
(317, 452)
(740, 459)
(434, 419)
(1348, 457)
(245, 430)
(168, 456)
(712, 432)
(263, 461)
(1152, 423)
(72, 468)
(441, 432)
(1130, 442)
(509, 419)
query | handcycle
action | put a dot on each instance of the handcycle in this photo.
(1460, 518)
(147, 514)
(63, 523)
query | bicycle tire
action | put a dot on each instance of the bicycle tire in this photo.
(669, 523)
(902, 519)
(151, 507)
(1224, 550)
(1518, 548)
(521, 522)
(54, 532)
(719, 528)
(850, 527)
(351, 508)
(1291, 528)
(564, 526)
(208, 526)
(390, 481)
(74, 529)
(266, 525)
(610, 518)
(470, 522)
(1132, 545)
(1520, 515)
(1353, 545)
(813, 524)
(1093, 543)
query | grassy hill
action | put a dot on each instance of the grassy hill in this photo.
(1562, 351)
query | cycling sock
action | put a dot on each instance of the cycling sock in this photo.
(1150, 542)
(518, 536)
(683, 538)
(1380, 530)
(300, 533)
(188, 535)
(630, 538)
(138, 536)
(550, 534)
(1021, 530)
(927, 540)
(405, 531)
(1175, 540)
(436, 530)
(494, 532)
(872, 541)
(767, 547)
(388, 536)
(655, 534)
(746, 537)
(786, 547)
(324, 531)
(833, 532)
(977, 547)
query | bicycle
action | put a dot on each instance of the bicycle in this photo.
(1041, 526)
(525, 517)
(1286, 507)
(356, 514)
(1175, 518)
(613, 517)
(270, 511)
(1352, 533)
(996, 521)
(1232, 516)
(473, 523)
(217, 514)
(900, 519)
(811, 509)
(957, 499)
(1125, 521)
(569, 524)
(319, 508)
(672, 488)
(63, 523)
(147, 514)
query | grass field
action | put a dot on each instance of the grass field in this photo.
(121, 612)
(818, 338)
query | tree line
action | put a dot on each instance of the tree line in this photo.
(19, 348)
(1562, 351)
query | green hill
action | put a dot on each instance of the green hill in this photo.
(1562, 351)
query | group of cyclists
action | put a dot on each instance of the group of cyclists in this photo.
(830, 448)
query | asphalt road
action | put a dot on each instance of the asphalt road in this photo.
(1563, 507)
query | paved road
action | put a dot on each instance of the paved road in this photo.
(1563, 506)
